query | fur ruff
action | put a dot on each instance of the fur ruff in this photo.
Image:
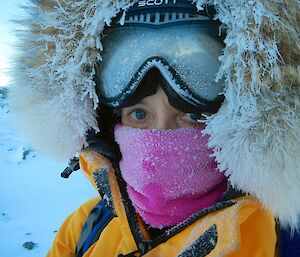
(256, 133)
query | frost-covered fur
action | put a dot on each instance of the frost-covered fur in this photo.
(256, 134)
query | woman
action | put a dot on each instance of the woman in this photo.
(151, 161)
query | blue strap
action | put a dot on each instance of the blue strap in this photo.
(104, 217)
(289, 244)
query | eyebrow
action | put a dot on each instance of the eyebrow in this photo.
(142, 103)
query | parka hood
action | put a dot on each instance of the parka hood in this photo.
(256, 133)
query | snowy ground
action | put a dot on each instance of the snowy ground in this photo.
(34, 198)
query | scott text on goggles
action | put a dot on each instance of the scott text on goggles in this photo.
(155, 2)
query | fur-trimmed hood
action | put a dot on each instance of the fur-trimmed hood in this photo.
(256, 133)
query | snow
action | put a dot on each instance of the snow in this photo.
(34, 200)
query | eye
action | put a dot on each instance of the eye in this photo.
(138, 114)
(196, 117)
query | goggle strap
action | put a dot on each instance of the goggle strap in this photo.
(163, 18)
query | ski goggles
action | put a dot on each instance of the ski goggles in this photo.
(186, 54)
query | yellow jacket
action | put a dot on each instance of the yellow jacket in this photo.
(238, 227)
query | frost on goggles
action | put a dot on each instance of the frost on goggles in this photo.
(186, 55)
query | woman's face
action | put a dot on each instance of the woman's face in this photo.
(155, 112)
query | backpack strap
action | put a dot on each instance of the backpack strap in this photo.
(289, 242)
(96, 221)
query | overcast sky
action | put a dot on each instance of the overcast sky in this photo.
(8, 11)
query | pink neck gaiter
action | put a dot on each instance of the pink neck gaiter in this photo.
(169, 173)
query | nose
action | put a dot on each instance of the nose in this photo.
(165, 114)
(166, 119)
